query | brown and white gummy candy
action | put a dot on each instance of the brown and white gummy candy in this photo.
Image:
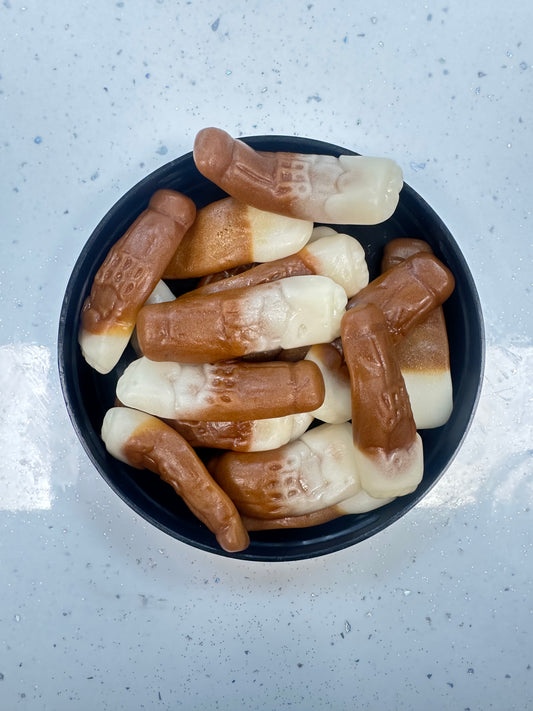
(423, 354)
(407, 292)
(357, 504)
(316, 471)
(128, 275)
(389, 456)
(287, 313)
(247, 436)
(337, 256)
(321, 188)
(144, 442)
(228, 233)
(229, 391)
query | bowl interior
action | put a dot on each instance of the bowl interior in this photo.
(88, 394)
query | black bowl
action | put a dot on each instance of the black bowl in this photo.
(88, 395)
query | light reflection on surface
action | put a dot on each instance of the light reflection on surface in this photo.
(40, 450)
(26, 459)
(497, 455)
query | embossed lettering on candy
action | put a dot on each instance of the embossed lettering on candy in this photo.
(289, 313)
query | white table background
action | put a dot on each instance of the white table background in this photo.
(99, 610)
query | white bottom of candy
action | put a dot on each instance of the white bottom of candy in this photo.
(431, 397)
(385, 475)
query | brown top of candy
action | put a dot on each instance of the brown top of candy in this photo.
(407, 292)
(425, 348)
(219, 238)
(381, 412)
(136, 262)
(166, 453)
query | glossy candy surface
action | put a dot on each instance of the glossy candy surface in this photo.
(88, 395)
(358, 190)
(228, 233)
(144, 442)
(128, 276)
(389, 453)
(233, 391)
(288, 313)
(424, 354)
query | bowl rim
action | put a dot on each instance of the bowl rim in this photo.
(71, 390)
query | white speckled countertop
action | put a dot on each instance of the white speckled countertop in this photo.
(99, 610)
